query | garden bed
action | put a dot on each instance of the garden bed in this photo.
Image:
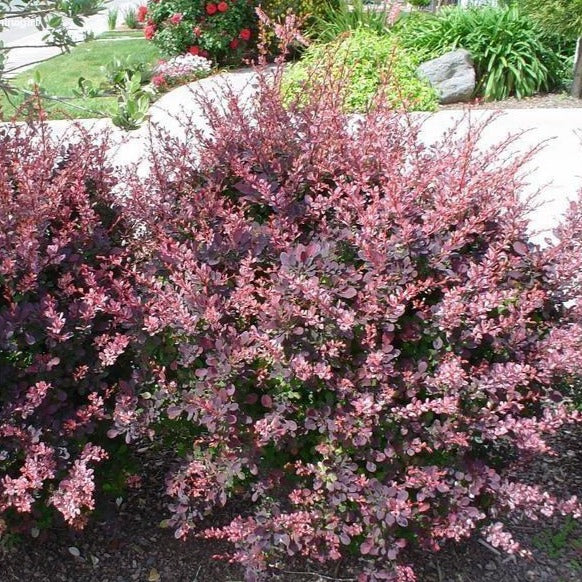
(543, 101)
(126, 543)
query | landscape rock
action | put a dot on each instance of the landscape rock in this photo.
(452, 75)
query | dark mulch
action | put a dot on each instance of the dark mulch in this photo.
(546, 101)
(126, 543)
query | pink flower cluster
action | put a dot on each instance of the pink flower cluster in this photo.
(180, 69)
(75, 492)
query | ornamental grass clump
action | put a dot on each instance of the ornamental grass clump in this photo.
(67, 310)
(354, 334)
(513, 56)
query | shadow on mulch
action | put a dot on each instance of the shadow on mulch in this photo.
(126, 543)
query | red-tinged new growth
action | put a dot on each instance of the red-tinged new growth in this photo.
(67, 305)
(347, 328)
(364, 335)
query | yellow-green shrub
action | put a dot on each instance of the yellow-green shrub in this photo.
(305, 9)
(371, 62)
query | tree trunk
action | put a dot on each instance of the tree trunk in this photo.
(577, 84)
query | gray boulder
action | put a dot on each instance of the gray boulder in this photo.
(452, 75)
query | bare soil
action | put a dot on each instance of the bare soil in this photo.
(545, 101)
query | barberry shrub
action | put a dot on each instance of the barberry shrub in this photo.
(67, 307)
(224, 32)
(353, 331)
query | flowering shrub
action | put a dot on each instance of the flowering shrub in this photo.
(355, 333)
(179, 70)
(222, 31)
(66, 307)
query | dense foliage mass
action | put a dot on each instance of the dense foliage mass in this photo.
(562, 22)
(361, 334)
(225, 32)
(367, 62)
(561, 16)
(222, 31)
(348, 16)
(345, 327)
(512, 55)
(305, 10)
(67, 303)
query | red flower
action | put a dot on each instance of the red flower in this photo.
(158, 80)
(176, 18)
(141, 13)
(149, 31)
(204, 54)
(211, 9)
(222, 7)
(197, 31)
(234, 43)
(194, 50)
(245, 34)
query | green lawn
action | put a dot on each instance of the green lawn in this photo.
(122, 33)
(59, 77)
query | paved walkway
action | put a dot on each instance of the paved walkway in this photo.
(557, 169)
(19, 59)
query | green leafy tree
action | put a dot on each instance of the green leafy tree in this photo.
(50, 16)
(565, 18)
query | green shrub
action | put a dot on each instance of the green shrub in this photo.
(132, 104)
(130, 18)
(118, 68)
(562, 48)
(562, 16)
(308, 10)
(510, 54)
(370, 61)
(420, 3)
(561, 21)
(339, 18)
